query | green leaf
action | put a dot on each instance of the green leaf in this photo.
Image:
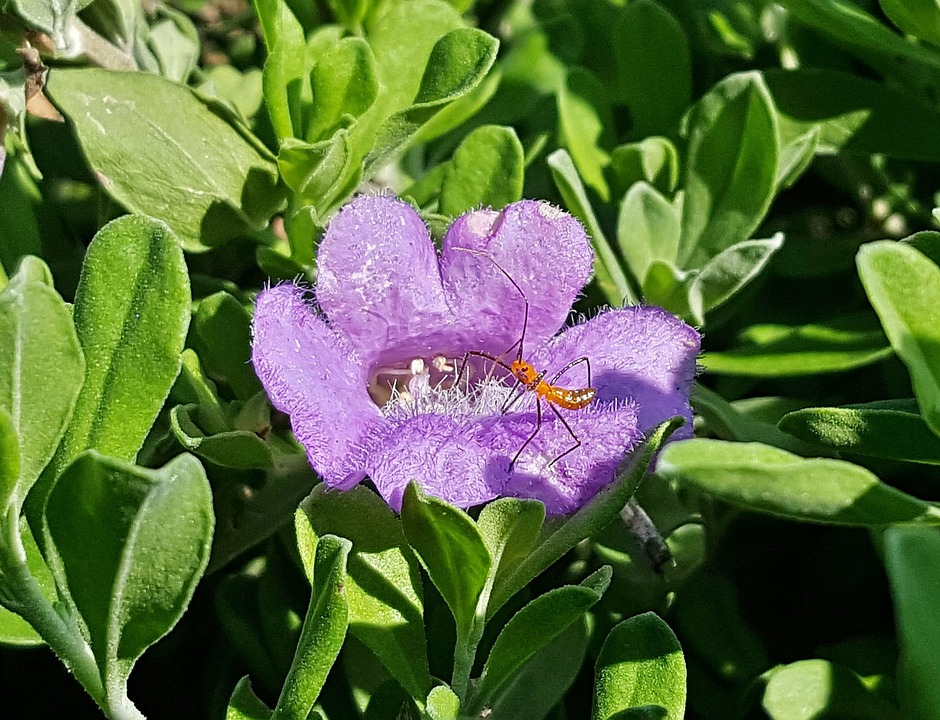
(609, 275)
(912, 559)
(647, 229)
(920, 18)
(651, 51)
(443, 704)
(891, 429)
(131, 314)
(584, 120)
(729, 421)
(653, 160)
(285, 80)
(731, 168)
(766, 479)
(809, 689)
(532, 628)
(451, 549)
(640, 664)
(486, 171)
(383, 582)
(458, 63)
(20, 208)
(510, 528)
(318, 172)
(221, 334)
(729, 272)
(128, 548)
(188, 167)
(852, 114)
(559, 537)
(245, 705)
(41, 373)
(796, 154)
(323, 632)
(903, 286)
(543, 681)
(240, 449)
(344, 85)
(773, 350)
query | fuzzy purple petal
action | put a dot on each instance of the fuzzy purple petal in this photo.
(313, 374)
(607, 433)
(641, 354)
(451, 458)
(544, 250)
(378, 278)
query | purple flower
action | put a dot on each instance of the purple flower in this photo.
(367, 374)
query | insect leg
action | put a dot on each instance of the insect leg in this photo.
(538, 426)
(570, 365)
(577, 440)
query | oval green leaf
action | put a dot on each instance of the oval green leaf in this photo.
(221, 335)
(41, 372)
(893, 430)
(641, 664)
(647, 229)
(486, 171)
(188, 167)
(766, 479)
(131, 314)
(809, 689)
(903, 286)
(129, 546)
(451, 549)
(774, 350)
(731, 168)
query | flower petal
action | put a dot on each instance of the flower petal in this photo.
(310, 372)
(641, 354)
(544, 250)
(607, 434)
(378, 278)
(451, 458)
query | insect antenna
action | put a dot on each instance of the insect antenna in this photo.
(525, 300)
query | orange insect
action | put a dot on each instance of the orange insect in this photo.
(531, 380)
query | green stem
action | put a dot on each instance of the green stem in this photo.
(23, 595)
(467, 641)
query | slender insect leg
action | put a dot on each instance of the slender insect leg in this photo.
(475, 353)
(538, 426)
(570, 365)
(577, 440)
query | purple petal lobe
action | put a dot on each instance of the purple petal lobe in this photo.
(311, 373)
(641, 353)
(451, 458)
(378, 278)
(543, 250)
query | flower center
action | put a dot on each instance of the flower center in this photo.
(432, 387)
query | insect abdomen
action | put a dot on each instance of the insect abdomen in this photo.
(571, 399)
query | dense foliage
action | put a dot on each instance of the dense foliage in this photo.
(767, 171)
